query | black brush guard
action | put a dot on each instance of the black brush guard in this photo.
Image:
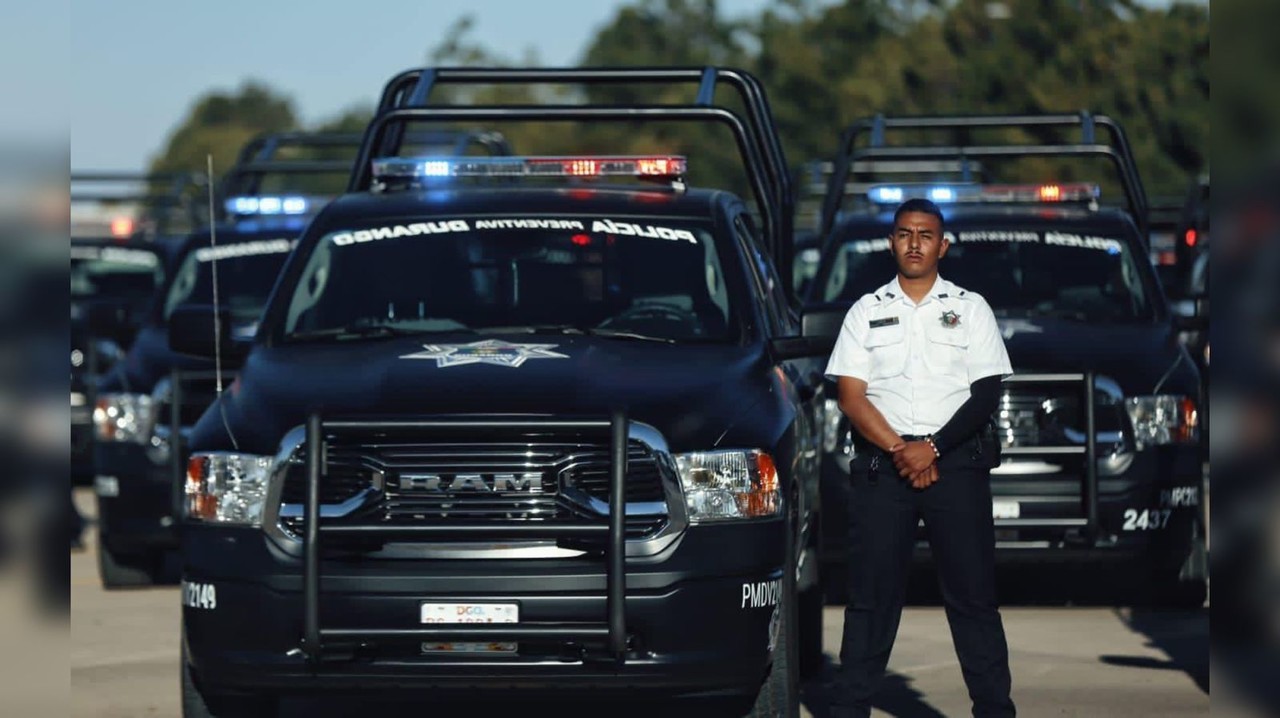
(1088, 522)
(614, 626)
(755, 133)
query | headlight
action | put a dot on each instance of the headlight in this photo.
(1162, 419)
(721, 485)
(227, 488)
(124, 417)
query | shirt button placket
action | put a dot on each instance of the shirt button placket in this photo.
(915, 347)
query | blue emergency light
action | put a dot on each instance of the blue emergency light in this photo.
(1008, 193)
(269, 205)
(585, 167)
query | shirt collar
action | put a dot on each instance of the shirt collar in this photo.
(941, 289)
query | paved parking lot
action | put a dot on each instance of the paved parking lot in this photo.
(1092, 660)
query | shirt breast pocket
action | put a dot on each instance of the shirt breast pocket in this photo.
(888, 348)
(948, 349)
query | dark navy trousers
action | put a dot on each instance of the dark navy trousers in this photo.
(884, 513)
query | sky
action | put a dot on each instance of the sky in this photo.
(136, 65)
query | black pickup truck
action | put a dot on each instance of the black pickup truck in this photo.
(504, 430)
(1102, 458)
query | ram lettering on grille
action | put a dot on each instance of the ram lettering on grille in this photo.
(529, 483)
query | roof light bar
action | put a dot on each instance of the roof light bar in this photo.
(267, 205)
(972, 193)
(659, 167)
(1069, 192)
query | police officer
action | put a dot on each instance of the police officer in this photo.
(919, 364)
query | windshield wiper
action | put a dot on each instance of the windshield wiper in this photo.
(619, 334)
(533, 329)
(1057, 313)
(367, 331)
(569, 329)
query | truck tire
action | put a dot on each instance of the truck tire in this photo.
(1169, 591)
(779, 696)
(126, 570)
(1182, 586)
(196, 704)
(781, 690)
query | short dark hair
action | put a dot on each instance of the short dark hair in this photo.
(921, 205)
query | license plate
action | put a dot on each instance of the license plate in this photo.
(456, 647)
(1006, 509)
(470, 613)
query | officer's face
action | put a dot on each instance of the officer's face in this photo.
(917, 244)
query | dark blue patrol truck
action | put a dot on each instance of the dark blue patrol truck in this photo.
(1099, 424)
(151, 393)
(534, 424)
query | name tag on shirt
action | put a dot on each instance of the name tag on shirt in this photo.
(886, 322)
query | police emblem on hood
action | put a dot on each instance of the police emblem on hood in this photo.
(489, 351)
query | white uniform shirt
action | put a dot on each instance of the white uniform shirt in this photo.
(919, 359)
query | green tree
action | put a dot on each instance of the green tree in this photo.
(220, 123)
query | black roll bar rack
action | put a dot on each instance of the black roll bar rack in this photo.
(756, 133)
(876, 129)
(158, 192)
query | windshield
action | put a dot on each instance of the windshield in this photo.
(246, 273)
(114, 273)
(640, 277)
(1020, 272)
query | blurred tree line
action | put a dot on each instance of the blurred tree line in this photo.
(825, 65)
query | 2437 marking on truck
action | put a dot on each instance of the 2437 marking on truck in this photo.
(1146, 519)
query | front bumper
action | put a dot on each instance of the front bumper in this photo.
(135, 499)
(698, 618)
(1144, 514)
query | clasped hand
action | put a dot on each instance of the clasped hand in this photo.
(916, 462)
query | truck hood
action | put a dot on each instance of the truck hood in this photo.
(694, 394)
(1136, 356)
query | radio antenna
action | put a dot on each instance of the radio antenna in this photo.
(217, 310)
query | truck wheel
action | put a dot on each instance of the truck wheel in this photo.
(196, 704)
(1182, 587)
(123, 570)
(781, 690)
(810, 616)
(1169, 592)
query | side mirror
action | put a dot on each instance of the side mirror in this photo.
(819, 327)
(198, 331)
(823, 320)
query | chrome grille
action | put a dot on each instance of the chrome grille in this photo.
(1040, 415)
(415, 482)
(1018, 417)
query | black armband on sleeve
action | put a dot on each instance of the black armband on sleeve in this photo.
(984, 396)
